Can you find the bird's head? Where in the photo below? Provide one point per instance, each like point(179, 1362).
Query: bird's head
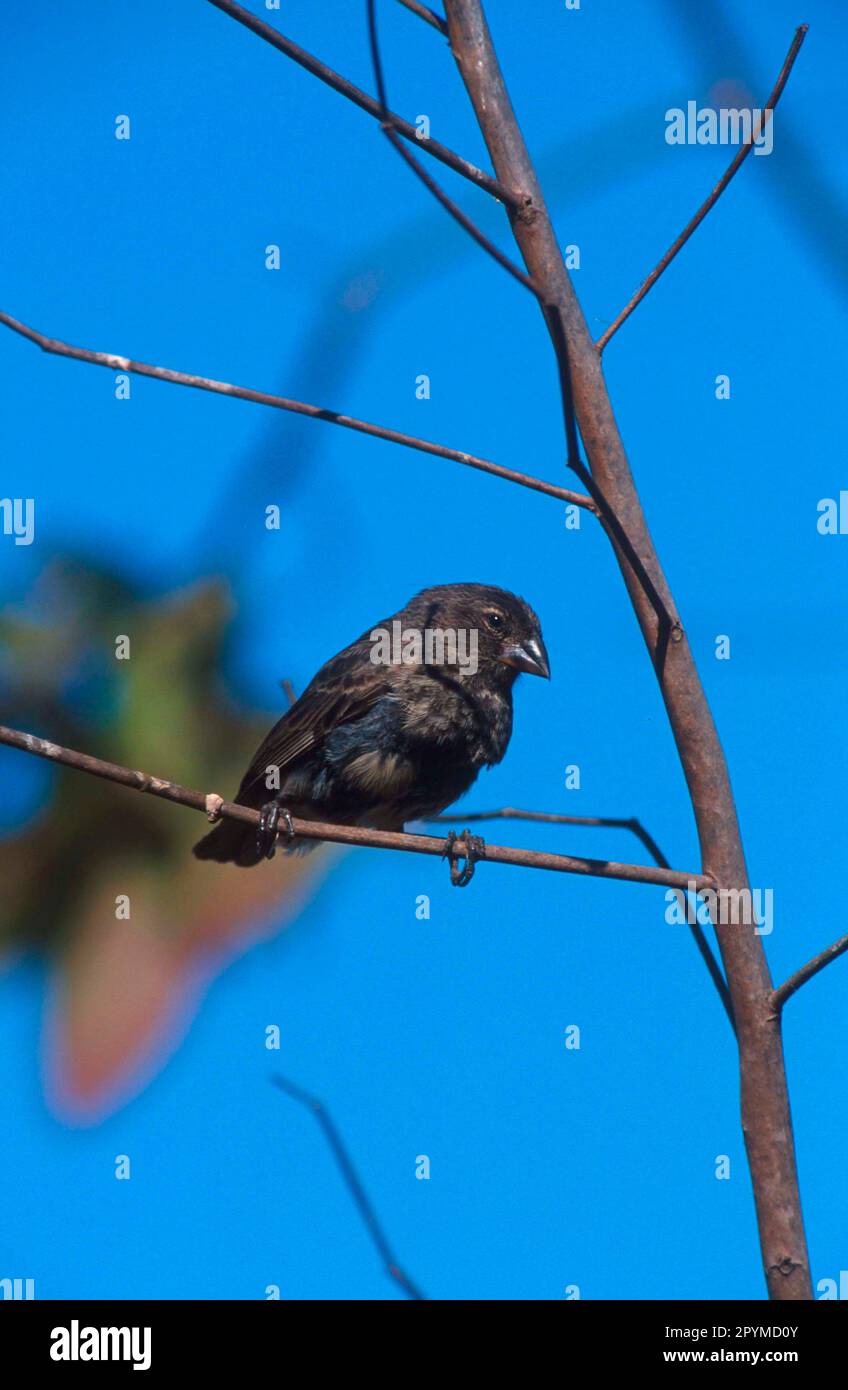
point(500, 630)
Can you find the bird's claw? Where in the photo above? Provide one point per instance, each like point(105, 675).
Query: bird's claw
point(268, 828)
point(462, 865)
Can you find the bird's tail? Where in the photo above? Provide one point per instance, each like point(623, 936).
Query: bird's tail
point(230, 842)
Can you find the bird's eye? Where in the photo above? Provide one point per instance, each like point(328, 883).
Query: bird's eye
point(494, 621)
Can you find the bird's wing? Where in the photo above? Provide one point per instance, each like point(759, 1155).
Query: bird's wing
point(344, 689)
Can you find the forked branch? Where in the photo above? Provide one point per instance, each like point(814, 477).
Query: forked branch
point(215, 807)
point(794, 983)
point(508, 196)
point(667, 624)
point(766, 1120)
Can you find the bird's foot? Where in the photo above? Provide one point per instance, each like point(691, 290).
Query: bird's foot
point(269, 826)
point(462, 865)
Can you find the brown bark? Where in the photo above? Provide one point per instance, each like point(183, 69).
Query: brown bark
point(216, 807)
point(766, 1121)
point(115, 363)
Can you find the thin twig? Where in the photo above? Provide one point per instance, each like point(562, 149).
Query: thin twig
point(215, 807)
point(456, 212)
point(366, 103)
point(789, 987)
point(312, 412)
point(429, 16)
point(387, 127)
point(666, 624)
point(635, 826)
point(733, 168)
point(353, 1183)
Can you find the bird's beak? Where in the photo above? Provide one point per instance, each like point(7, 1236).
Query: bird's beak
point(529, 656)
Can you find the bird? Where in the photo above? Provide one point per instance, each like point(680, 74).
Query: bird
point(395, 727)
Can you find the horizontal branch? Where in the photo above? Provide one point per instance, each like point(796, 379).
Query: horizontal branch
point(554, 818)
point(733, 168)
point(340, 84)
point(794, 983)
point(312, 412)
point(215, 807)
point(631, 823)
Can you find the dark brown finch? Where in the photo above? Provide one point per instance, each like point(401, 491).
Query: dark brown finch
point(397, 726)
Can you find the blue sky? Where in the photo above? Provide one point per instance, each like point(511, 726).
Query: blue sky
point(549, 1167)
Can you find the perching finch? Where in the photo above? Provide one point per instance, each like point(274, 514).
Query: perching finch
point(397, 726)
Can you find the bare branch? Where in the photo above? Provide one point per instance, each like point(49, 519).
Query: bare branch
point(429, 16)
point(635, 826)
point(387, 127)
point(764, 1098)
point(312, 412)
point(214, 807)
point(766, 1120)
point(794, 983)
point(456, 212)
point(361, 99)
point(352, 1182)
point(667, 625)
point(733, 168)
point(548, 818)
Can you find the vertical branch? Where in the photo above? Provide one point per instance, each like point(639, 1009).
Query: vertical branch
point(764, 1098)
